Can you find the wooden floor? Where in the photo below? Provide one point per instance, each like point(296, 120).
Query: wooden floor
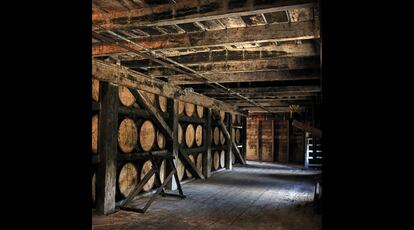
point(255, 196)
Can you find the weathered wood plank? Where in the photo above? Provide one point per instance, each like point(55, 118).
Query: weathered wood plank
point(281, 75)
point(107, 146)
point(308, 128)
point(260, 90)
point(125, 77)
point(244, 66)
point(134, 18)
point(241, 35)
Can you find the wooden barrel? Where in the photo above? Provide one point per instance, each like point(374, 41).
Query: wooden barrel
point(216, 160)
point(127, 135)
point(160, 140)
point(93, 187)
point(233, 118)
point(180, 169)
point(127, 179)
point(222, 157)
point(237, 135)
point(162, 101)
point(233, 159)
point(189, 135)
point(180, 134)
point(216, 135)
point(95, 128)
point(95, 90)
point(187, 172)
point(180, 107)
point(222, 138)
point(200, 111)
point(150, 96)
point(125, 96)
point(222, 115)
point(145, 169)
point(199, 135)
point(199, 162)
point(147, 135)
point(163, 168)
point(189, 109)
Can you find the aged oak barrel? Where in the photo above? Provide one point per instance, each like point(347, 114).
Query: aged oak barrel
point(189, 109)
point(189, 135)
point(162, 101)
point(222, 138)
point(163, 168)
point(237, 135)
point(160, 140)
point(180, 169)
point(187, 172)
point(127, 179)
point(145, 169)
point(95, 129)
point(199, 162)
point(180, 134)
point(147, 135)
point(233, 118)
point(180, 107)
point(200, 111)
point(222, 157)
point(199, 135)
point(216, 135)
point(216, 160)
point(125, 96)
point(95, 90)
point(127, 135)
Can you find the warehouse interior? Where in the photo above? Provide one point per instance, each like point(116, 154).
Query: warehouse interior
point(206, 114)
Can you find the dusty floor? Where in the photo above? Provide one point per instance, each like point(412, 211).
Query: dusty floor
point(255, 196)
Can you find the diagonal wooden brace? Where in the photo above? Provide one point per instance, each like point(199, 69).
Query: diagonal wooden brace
point(228, 139)
point(154, 111)
point(192, 168)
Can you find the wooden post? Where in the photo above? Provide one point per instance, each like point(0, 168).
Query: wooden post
point(259, 140)
point(314, 125)
point(229, 145)
point(108, 141)
point(207, 144)
point(244, 137)
point(172, 144)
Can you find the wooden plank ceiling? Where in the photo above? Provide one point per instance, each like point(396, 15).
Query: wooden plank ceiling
point(268, 51)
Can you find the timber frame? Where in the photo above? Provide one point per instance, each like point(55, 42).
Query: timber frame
point(110, 158)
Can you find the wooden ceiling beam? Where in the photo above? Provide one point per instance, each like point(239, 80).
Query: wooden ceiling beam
point(243, 35)
point(265, 90)
point(307, 49)
point(283, 75)
point(244, 66)
point(125, 77)
point(195, 11)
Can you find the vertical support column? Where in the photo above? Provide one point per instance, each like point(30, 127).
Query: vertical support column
point(259, 140)
point(106, 172)
point(172, 145)
point(314, 125)
point(207, 144)
point(244, 136)
point(229, 144)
